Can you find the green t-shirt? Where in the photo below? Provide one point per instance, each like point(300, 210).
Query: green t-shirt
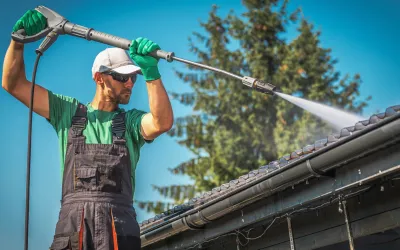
point(98, 127)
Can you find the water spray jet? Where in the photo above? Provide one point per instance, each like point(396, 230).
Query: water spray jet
point(336, 117)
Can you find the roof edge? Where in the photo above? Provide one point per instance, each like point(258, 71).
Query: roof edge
point(331, 156)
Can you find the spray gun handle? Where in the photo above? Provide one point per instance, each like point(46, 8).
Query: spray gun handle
point(20, 35)
point(54, 21)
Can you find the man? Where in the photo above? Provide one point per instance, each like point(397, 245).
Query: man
point(99, 141)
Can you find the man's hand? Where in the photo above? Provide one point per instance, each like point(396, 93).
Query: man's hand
point(138, 51)
point(160, 119)
point(32, 22)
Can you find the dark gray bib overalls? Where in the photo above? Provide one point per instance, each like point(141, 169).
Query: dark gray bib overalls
point(97, 208)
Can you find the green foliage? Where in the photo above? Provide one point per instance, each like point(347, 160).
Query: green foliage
point(156, 207)
point(240, 130)
point(176, 192)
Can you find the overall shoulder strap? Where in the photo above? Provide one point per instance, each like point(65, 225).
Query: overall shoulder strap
point(118, 128)
point(79, 121)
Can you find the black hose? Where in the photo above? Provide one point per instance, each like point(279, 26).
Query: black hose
point(28, 167)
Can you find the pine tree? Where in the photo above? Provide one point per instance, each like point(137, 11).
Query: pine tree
point(236, 130)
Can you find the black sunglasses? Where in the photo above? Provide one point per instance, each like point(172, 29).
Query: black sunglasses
point(121, 77)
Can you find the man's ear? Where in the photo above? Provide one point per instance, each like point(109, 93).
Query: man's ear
point(98, 78)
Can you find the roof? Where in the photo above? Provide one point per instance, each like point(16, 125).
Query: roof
point(262, 171)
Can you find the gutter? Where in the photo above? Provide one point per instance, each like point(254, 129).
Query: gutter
point(326, 158)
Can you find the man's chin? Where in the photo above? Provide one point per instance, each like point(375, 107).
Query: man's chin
point(124, 101)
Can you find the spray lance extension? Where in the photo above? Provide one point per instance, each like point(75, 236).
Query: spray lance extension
point(58, 25)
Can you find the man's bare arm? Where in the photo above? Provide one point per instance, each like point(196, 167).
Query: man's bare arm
point(14, 81)
point(160, 119)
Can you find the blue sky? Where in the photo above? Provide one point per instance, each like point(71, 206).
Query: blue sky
point(362, 35)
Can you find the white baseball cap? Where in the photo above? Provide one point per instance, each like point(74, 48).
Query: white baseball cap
point(115, 59)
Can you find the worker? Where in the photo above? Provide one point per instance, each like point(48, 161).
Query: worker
point(99, 141)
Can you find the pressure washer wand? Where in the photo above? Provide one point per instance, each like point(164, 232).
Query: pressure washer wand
point(59, 25)
point(90, 34)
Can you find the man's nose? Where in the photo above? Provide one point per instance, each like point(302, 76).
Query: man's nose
point(129, 84)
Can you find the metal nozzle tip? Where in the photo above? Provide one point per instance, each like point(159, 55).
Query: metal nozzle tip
point(265, 87)
point(258, 85)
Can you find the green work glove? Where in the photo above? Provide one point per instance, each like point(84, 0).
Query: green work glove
point(32, 22)
point(138, 52)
